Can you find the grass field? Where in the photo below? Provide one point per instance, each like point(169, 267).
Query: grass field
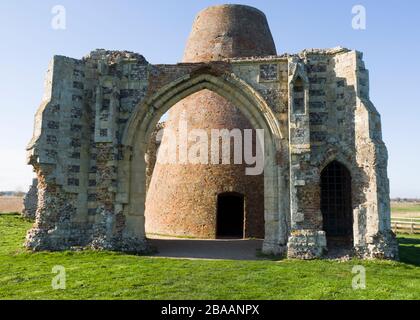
point(107, 275)
point(406, 207)
point(405, 210)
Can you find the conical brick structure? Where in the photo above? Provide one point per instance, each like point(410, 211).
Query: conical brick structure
point(185, 199)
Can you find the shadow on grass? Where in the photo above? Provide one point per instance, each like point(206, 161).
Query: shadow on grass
point(221, 249)
point(409, 241)
point(409, 250)
point(271, 257)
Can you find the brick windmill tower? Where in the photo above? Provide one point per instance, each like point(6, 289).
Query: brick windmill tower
point(211, 200)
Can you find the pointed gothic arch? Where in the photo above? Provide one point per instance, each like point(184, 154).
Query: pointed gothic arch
point(132, 194)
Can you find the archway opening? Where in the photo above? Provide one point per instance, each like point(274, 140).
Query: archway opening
point(142, 124)
point(180, 195)
point(336, 205)
point(230, 215)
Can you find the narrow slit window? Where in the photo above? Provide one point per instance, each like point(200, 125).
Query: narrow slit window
point(298, 97)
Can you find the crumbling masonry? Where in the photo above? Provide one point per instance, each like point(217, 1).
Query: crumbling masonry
point(94, 125)
point(30, 201)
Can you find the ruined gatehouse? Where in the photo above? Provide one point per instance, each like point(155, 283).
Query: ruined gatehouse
point(325, 164)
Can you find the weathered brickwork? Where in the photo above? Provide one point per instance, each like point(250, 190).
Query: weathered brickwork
point(98, 114)
point(182, 199)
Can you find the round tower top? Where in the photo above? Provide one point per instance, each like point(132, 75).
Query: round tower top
point(229, 31)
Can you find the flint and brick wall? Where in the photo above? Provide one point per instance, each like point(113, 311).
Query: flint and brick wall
point(77, 145)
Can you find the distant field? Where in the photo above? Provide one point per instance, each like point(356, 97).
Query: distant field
point(405, 209)
point(399, 209)
point(11, 204)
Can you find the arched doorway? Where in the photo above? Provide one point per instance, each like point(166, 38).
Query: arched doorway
point(230, 215)
point(336, 205)
point(131, 195)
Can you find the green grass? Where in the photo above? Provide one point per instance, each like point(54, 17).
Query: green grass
point(405, 207)
point(107, 275)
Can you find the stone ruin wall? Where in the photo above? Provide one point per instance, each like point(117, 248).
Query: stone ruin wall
point(152, 151)
point(77, 143)
point(344, 126)
point(75, 149)
point(30, 201)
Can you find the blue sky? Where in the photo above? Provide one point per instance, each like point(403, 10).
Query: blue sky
point(158, 29)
